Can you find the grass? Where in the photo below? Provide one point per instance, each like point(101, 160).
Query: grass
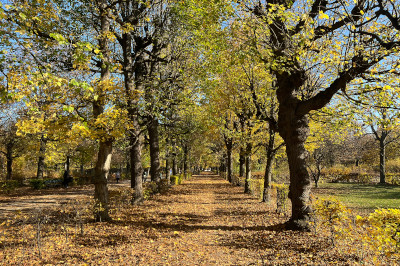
point(362, 196)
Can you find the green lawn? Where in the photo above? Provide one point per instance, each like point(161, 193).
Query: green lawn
point(360, 196)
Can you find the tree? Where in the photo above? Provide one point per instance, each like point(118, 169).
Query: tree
point(379, 112)
point(302, 46)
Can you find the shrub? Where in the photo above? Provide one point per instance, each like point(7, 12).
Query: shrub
point(36, 183)
point(256, 187)
point(176, 179)
point(163, 185)
point(282, 192)
point(347, 174)
point(45, 183)
point(383, 230)
point(150, 188)
point(331, 213)
point(9, 185)
point(393, 166)
point(393, 179)
point(81, 180)
point(375, 238)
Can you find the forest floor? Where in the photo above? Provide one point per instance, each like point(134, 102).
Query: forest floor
point(204, 221)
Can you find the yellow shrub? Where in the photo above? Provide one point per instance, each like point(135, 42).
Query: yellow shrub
point(383, 230)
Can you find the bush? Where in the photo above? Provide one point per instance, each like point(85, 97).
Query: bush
point(383, 227)
point(256, 187)
point(393, 166)
point(9, 185)
point(150, 188)
point(340, 173)
point(36, 183)
point(163, 185)
point(393, 179)
point(176, 179)
point(81, 180)
point(375, 238)
point(45, 183)
point(282, 192)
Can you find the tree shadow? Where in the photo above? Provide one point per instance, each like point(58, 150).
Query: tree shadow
point(276, 238)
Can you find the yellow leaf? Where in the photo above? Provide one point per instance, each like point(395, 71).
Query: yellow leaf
point(322, 15)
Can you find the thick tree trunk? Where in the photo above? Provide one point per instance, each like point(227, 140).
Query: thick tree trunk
point(152, 128)
point(100, 181)
point(42, 152)
point(268, 167)
point(136, 168)
point(248, 168)
point(294, 130)
point(382, 160)
point(103, 163)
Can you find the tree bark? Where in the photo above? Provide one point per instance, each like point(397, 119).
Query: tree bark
point(10, 158)
point(229, 145)
point(174, 164)
point(152, 128)
point(242, 161)
point(103, 163)
point(268, 167)
point(185, 159)
point(248, 168)
point(382, 159)
point(100, 181)
point(42, 153)
point(136, 168)
point(294, 130)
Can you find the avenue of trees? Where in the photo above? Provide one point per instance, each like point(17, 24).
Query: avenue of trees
point(185, 85)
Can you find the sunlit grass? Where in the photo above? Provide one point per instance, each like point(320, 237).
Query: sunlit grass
point(362, 196)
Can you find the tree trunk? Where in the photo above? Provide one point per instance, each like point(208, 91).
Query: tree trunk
point(268, 168)
point(100, 181)
point(185, 159)
point(294, 130)
point(382, 159)
point(241, 162)
point(67, 164)
point(229, 145)
point(103, 163)
point(152, 128)
point(9, 157)
point(136, 168)
point(42, 152)
point(248, 168)
point(174, 164)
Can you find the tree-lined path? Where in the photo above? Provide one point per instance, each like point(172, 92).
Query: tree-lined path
point(204, 221)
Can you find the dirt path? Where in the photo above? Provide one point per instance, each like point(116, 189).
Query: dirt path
point(204, 221)
point(207, 221)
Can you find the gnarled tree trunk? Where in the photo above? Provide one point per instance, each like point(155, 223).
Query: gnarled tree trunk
point(294, 130)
